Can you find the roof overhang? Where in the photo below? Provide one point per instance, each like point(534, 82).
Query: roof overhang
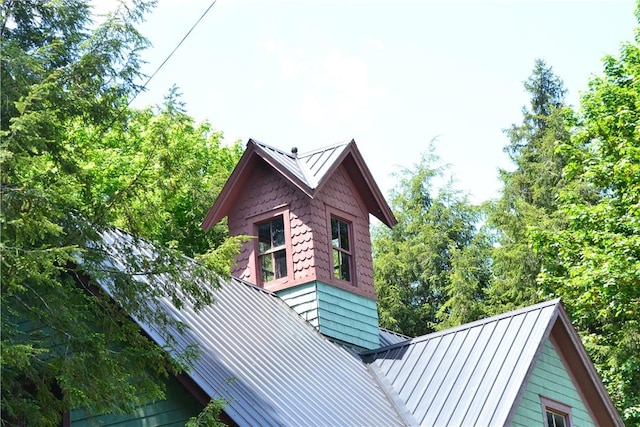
point(283, 163)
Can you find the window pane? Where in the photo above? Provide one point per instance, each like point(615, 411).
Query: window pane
point(280, 262)
point(556, 420)
point(336, 264)
point(277, 232)
point(345, 271)
point(266, 267)
point(344, 236)
point(335, 235)
point(264, 237)
point(550, 422)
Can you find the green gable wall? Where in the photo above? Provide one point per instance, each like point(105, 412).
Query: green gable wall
point(336, 313)
point(551, 380)
point(174, 411)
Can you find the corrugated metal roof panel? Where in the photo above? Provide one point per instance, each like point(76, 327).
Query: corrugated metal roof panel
point(270, 365)
point(469, 375)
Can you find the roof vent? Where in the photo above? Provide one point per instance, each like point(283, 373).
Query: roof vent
point(294, 151)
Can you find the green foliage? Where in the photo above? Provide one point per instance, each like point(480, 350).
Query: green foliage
point(429, 268)
point(76, 160)
point(210, 415)
point(594, 263)
point(530, 192)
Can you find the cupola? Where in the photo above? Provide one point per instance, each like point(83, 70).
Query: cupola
point(309, 214)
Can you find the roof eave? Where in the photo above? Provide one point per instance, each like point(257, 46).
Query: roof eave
point(228, 194)
point(599, 402)
point(376, 203)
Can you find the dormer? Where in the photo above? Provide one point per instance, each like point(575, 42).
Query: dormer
point(309, 214)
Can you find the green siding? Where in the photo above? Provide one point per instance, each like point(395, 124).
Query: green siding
point(551, 380)
point(303, 299)
point(336, 313)
point(174, 411)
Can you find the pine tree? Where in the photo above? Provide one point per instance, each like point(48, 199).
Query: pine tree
point(530, 192)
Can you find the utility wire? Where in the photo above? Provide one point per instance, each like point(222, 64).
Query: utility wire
point(144, 86)
point(118, 194)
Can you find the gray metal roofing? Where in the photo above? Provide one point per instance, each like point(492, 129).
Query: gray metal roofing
point(388, 337)
point(470, 375)
point(309, 167)
point(271, 366)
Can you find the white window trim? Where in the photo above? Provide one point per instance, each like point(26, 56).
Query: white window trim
point(260, 219)
point(557, 407)
point(350, 221)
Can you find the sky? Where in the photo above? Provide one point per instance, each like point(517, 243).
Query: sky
point(393, 75)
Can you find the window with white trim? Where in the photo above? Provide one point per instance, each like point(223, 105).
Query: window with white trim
point(556, 414)
point(272, 250)
point(555, 419)
point(341, 249)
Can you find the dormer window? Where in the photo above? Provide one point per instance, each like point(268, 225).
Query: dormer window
point(272, 250)
point(341, 249)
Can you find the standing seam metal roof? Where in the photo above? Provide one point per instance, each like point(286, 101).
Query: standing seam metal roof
point(470, 375)
point(310, 168)
point(270, 365)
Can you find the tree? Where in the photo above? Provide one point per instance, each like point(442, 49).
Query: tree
point(594, 263)
point(75, 160)
point(421, 266)
point(530, 192)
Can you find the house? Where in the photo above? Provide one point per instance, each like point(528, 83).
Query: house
point(293, 338)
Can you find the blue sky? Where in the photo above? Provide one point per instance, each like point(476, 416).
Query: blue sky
point(393, 75)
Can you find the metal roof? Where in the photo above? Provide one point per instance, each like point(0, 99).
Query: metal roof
point(311, 167)
point(308, 172)
point(469, 375)
point(388, 337)
point(271, 366)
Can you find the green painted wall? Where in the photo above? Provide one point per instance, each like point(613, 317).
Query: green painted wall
point(174, 411)
point(336, 313)
point(551, 380)
point(303, 299)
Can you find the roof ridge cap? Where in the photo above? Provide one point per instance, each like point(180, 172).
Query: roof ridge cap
point(306, 172)
point(263, 145)
point(465, 326)
point(326, 147)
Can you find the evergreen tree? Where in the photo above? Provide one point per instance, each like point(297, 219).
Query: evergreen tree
point(428, 268)
point(530, 192)
point(75, 160)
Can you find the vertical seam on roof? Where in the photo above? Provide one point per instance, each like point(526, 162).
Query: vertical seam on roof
point(520, 353)
point(534, 359)
point(434, 372)
point(458, 374)
point(392, 397)
point(490, 360)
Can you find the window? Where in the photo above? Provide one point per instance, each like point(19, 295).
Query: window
point(556, 414)
point(555, 419)
point(272, 252)
point(340, 241)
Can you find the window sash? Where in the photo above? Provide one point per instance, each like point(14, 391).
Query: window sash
point(340, 242)
point(272, 252)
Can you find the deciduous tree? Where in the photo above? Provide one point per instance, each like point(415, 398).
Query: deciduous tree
point(76, 160)
point(594, 263)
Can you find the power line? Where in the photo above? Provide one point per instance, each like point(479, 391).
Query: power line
point(144, 86)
